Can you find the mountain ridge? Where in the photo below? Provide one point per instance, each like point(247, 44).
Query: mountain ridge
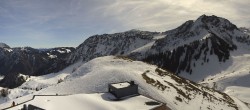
point(175, 50)
point(195, 42)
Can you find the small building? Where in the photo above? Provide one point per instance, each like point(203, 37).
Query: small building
point(31, 107)
point(123, 89)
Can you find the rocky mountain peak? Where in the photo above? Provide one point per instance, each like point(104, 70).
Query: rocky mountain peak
point(215, 22)
point(196, 42)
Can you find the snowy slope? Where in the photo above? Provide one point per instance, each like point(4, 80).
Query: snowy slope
point(242, 93)
point(198, 48)
point(236, 72)
point(97, 101)
point(95, 75)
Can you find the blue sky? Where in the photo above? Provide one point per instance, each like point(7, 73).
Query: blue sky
point(54, 23)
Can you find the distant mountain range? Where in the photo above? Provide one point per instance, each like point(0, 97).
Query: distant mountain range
point(210, 51)
point(184, 50)
point(30, 61)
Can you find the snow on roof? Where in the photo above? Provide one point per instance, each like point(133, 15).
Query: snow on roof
point(121, 85)
point(96, 101)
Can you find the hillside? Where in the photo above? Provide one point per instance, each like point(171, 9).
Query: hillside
point(235, 72)
point(95, 75)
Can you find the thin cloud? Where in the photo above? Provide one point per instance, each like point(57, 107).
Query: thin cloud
point(161, 15)
point(61, 20)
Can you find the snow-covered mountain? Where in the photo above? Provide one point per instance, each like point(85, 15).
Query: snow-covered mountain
point(186, 50)
point(210, 51)
point(195, 45)
point(30, 61)
point(112, 44)
point(95, 75)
